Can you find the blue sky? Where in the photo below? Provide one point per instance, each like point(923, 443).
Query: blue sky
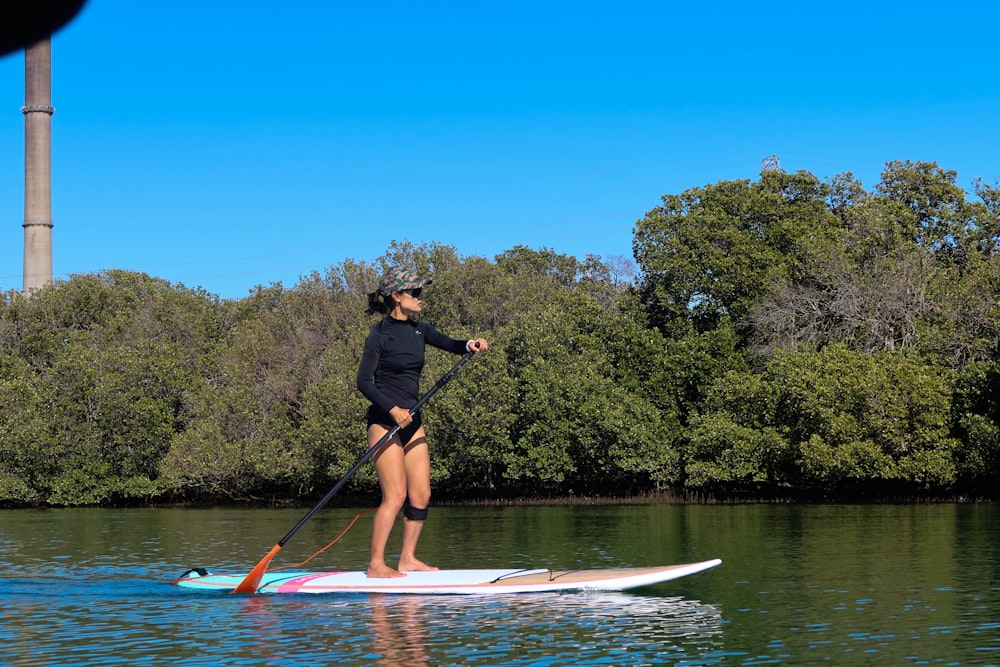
point(223, 149)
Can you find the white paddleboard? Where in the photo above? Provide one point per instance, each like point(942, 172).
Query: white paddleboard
point(443, 582)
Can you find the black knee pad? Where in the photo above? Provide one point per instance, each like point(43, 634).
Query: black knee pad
point(414, 513)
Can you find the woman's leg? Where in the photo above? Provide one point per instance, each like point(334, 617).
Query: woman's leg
point(391, 471)
point(417, 466)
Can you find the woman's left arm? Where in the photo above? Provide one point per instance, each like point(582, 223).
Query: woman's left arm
point(437, 339)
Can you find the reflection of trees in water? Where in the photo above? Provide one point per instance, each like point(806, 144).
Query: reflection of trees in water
point(564, 629)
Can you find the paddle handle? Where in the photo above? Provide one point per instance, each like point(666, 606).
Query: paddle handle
point(371, 451)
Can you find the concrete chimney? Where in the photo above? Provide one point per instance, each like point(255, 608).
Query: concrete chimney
point(37, 112)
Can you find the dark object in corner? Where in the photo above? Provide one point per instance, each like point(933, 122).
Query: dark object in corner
point(23, 23)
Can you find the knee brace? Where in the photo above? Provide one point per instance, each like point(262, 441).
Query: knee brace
point(414, 513)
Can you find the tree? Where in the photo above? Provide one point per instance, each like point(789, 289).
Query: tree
point(830, 419)
point(583, 425)
point(112, 355)
point(27, 439)
point(912, 271)
point(926, 203)
point(716, 251)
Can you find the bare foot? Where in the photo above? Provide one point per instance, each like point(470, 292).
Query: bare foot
point(383, 571)
point(414, 565)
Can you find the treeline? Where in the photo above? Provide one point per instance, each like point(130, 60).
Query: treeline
point(783, 336)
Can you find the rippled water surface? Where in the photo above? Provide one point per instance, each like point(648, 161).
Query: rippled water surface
point(890, 585)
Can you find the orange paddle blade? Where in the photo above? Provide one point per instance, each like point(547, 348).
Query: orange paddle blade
point(251, 582)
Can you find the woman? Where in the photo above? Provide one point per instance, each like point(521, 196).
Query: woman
point(389, 377)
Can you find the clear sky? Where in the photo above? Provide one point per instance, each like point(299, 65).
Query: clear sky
point(225, 145)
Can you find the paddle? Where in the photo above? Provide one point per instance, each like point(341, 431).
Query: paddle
point(252, 581)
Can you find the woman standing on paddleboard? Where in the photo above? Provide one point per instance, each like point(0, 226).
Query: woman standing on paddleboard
point(389, 377)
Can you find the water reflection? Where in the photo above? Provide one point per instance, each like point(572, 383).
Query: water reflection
point(551, 629)
point(399, 632)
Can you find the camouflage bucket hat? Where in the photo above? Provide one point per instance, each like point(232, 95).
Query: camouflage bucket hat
point(399, 278)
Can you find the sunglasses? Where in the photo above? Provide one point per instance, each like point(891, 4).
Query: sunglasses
point(415, 292)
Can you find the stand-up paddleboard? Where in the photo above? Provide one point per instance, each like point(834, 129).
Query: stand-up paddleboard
point(455, 582)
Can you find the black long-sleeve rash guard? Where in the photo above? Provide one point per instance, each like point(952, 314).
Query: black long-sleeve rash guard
point(389, 374)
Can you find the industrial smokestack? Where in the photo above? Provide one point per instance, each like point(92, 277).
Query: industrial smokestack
point(37, 112)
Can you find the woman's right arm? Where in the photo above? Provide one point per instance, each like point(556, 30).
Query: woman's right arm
point(366, 373)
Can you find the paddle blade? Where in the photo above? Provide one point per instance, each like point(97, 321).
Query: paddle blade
point(251, 582)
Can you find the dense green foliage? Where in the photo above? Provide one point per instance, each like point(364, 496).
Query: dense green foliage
point(779, 336)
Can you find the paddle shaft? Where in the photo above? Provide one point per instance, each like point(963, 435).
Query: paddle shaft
point(371, 451)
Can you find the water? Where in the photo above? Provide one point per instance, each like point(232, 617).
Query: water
point(799, 585)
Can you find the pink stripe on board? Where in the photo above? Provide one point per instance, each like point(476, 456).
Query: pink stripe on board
point(294, 585)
